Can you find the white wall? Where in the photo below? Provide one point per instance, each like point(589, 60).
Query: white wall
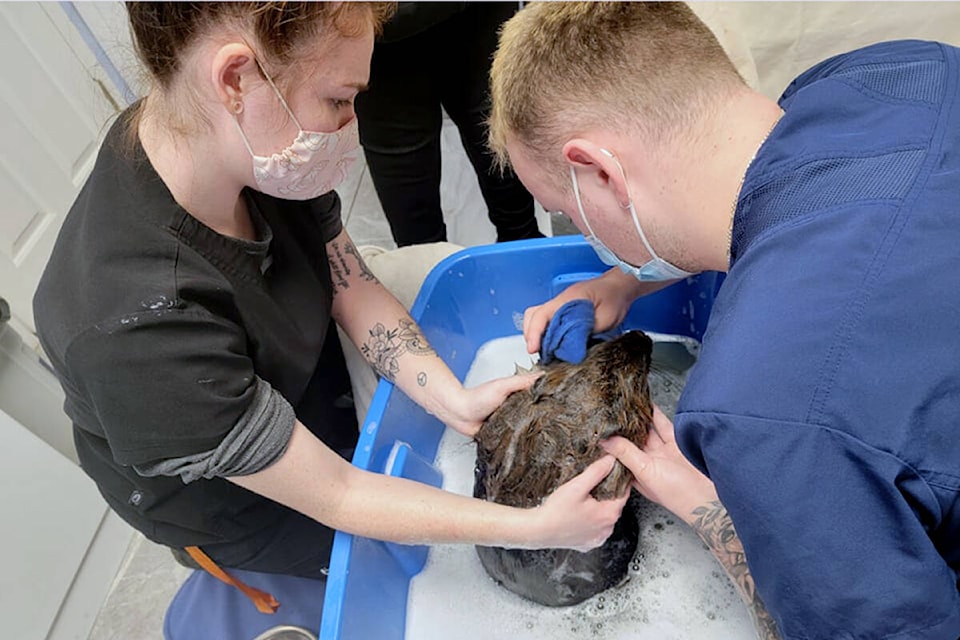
point(60, 546)
point(780, 40)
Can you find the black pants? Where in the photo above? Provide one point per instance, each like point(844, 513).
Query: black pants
point(300, 547)
point(399, 118)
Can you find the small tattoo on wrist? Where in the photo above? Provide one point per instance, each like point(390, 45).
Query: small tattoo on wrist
point(422, 379)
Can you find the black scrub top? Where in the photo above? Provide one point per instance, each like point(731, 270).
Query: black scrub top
point(156, 326)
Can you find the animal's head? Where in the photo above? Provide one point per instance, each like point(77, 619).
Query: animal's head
point(540, 438)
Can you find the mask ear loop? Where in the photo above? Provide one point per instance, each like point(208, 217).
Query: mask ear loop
point(576, 193)
point(236, 116)
point(614, 158)
point(279, 95)
point(633, 210)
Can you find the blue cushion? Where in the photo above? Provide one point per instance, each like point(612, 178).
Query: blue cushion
point(206, 608)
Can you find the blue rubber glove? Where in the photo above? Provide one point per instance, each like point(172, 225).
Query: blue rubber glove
point(568, 332)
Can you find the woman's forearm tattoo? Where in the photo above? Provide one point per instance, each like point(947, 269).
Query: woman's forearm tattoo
point(339, 269)
point(365, 272)
point(715, 528)
point(385, 347)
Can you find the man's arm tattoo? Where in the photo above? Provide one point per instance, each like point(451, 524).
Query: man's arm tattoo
point(715, 528)
point(384, 348)
point(339, 270)
point(365, 272)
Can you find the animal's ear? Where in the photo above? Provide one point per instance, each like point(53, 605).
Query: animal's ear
point(541, 388)
point(520, 371)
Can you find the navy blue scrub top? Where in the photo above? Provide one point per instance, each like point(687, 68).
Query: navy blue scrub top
point(826, 403)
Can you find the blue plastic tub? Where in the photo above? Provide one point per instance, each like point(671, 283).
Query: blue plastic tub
point(470, 298)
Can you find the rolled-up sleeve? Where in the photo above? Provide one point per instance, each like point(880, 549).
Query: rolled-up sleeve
point(164, 384)
point(258, 440)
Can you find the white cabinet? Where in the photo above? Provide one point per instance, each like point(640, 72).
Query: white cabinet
point(60, 546)
point(51, 513)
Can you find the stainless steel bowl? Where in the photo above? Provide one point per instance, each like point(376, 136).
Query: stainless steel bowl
point(286, 632)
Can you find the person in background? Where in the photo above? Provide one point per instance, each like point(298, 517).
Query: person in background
point(815, 446)
point(433, 55)
point(189, 306)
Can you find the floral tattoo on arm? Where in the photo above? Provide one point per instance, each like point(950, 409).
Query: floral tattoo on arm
point(715, 528)
point(384, 348)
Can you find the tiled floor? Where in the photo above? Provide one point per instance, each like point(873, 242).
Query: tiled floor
point(150, 577)
point(144, 587)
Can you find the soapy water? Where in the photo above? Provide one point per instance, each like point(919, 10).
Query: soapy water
point(675, 589)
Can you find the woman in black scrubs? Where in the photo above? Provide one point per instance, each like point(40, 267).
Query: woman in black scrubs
point(187, 307)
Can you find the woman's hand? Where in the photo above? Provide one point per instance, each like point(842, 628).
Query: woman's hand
point(570, 518)
point(660, 471)
point(467, 409)
point(611, 295)
point(378, 506)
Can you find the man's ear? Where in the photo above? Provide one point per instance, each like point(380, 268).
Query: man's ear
point(593, 162)
point(233, 67)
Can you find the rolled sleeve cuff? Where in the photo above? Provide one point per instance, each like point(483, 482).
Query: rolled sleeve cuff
point(259, 438)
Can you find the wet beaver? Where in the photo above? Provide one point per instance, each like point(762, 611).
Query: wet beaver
point(542, 437)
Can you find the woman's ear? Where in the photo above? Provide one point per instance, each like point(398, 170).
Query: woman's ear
point(233, 67)
point(593, 162)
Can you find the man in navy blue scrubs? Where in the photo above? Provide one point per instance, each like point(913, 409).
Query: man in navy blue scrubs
point(823, 417)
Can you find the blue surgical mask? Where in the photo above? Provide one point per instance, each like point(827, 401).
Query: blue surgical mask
point(656, 269)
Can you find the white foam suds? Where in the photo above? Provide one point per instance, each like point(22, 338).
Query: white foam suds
point(676, 589)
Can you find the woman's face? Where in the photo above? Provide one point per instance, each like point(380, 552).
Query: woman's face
point(319, 89)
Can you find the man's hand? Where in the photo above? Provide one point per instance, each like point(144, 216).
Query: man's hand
point(663, 475)
point(660, 471)
point(611, 295)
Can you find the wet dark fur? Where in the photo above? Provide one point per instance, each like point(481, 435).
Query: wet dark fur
point(542, 437)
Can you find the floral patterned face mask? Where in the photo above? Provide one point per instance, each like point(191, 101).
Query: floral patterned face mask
point(314, 164)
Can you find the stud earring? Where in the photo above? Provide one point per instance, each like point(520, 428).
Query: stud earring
point(237, 106)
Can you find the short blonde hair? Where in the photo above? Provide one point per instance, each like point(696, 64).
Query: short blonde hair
point(652, 67)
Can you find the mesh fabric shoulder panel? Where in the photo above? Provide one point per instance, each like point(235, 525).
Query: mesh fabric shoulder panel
point(921, 80)
point(823, 184)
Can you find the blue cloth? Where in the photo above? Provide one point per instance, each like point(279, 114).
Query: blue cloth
point(205, 608)
point(826, 402)
point(568, 332)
